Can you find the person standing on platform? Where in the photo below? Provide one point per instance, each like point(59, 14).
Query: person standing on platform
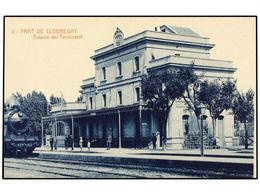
point(71, 143)
point(157, 139)
point(109, 141)
point(66, 142)
point(81, 143)
point(154, 141)
point(163, 143)
point(51, 143)
point(89, 145)
point(55, 143)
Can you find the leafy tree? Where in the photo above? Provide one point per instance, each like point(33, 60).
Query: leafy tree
point(80, 98)
point(53, 100)
point(191, 85)
point(243, 110)
point(217, 96)
point(34, 105)
point(159, 90)
point(56, 100)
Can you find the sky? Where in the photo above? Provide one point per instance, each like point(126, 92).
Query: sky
point(34, 60)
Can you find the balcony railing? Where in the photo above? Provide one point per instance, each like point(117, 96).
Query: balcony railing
point(179, 60)
point(69, 107)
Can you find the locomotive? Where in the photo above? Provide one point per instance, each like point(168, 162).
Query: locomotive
point(17, 138)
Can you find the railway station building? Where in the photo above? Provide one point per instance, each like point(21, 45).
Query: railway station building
point(112, 102)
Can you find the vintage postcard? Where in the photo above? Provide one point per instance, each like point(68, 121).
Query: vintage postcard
point(129, 97)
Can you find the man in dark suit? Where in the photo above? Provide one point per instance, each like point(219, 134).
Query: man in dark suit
point(51, 143)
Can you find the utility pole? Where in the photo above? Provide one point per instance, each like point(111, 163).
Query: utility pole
point(72, 129)
point(201, 137)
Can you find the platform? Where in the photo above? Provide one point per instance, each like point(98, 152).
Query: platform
point(223, 161)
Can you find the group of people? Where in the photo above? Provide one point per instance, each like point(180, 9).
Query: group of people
point(156, 140)
point(68, 142)
point(53, 143)
point(81, 143)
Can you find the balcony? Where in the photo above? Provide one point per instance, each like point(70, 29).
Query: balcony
point(69, 107)
point(199, 63)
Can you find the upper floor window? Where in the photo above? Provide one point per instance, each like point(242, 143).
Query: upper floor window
point(104, 100)
point(119, 95)
point(104, 73)
point(152, 57)
point(119, 69)
point(137, 94)
point(137, 63)
point(91, 102)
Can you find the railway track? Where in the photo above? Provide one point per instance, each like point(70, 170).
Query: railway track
point(53, 168)
point(180, 171)
point(57, 168)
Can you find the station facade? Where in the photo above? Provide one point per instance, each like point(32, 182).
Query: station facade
point(112, 100)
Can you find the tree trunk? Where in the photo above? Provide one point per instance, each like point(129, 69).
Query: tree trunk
point(198, 122)
point(246, 136)
point(214, 122)
point(199, 126)
point(164, 127)
point(201, 132)
point(162, 133)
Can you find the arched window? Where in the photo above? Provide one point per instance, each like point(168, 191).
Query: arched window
point(60, 129)
point(104, 73)
point(90, 103)
point(104, 100)
point(137, 63)
point(119, 69)
point(119, 95)
point(185, 122)
point(137, 94)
